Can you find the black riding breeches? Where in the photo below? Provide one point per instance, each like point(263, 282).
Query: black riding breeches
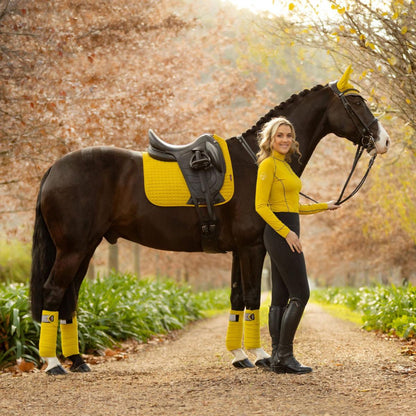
point(289, 278)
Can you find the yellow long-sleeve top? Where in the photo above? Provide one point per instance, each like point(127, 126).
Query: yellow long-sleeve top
point(277, 190)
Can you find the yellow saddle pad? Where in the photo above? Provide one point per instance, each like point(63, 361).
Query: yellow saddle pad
point(165, 185)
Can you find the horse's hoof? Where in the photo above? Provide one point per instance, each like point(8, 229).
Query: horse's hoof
point(263, 363)
point(83, 368)
point(56, 371)
point(246, 363)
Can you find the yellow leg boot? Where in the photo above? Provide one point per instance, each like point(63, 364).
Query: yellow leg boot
point(69, 337)
point(252, 337)
point(234, 339)
point(252, 329)
point(70, 346)
point(47, 342)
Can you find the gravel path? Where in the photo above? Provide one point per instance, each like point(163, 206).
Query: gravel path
point(355, 373)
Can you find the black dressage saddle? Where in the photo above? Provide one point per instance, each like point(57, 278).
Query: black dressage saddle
point(201, 162)
point(202, 165)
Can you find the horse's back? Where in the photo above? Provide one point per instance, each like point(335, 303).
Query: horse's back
point(85, 189)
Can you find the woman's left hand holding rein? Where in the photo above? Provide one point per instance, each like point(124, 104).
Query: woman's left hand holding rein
point(332, 206)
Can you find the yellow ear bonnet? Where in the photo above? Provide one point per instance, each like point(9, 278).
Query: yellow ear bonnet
point(344, 82)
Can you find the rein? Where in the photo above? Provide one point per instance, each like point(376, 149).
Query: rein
point(367, 141)
point(358, 154)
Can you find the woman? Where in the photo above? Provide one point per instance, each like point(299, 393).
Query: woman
point(277, 202)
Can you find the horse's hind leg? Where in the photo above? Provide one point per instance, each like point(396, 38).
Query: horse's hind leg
point(60, 279)
point(69, 327)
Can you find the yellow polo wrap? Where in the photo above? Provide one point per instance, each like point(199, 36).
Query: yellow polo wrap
point(252, 329)
point(234, 335)
point(69, 337)
point(165, 185)
point(48, 333)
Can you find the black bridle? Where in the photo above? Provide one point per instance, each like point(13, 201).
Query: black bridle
point(366, 142)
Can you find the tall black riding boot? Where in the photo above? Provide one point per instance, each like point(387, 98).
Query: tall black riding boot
point(275, 320)
point(287, 363)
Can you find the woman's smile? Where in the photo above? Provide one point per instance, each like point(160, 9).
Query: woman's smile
point(282, 140)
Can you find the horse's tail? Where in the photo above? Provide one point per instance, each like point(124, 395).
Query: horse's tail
point(43, 258)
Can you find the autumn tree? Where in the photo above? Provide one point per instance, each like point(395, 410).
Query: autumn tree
point(375, 233)
point(377, 37)
point(85, 73)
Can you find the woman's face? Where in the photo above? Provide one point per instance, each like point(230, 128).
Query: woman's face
point(282, 140)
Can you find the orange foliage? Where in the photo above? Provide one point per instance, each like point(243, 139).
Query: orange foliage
point(87, 73)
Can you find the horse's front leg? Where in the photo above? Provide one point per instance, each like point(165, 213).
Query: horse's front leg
point(245, 307)
point(251, 261)
point(234, 337)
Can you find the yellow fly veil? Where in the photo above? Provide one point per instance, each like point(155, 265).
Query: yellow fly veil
point(344, 84)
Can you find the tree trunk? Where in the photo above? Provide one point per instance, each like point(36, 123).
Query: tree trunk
point(113, 258)
point(136, 259)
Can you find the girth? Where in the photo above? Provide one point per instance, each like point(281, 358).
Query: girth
point(203, 167)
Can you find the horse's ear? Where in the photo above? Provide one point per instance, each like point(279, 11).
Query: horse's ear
point(344, 83)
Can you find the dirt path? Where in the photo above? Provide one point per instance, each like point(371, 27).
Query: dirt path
point(355, 373)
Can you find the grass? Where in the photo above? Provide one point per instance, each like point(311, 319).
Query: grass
point(343, 312)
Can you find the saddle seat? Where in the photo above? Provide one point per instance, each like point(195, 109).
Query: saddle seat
point(205, 145)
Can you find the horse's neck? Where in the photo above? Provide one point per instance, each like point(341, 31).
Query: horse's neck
point(308, 114)
point(309, 118)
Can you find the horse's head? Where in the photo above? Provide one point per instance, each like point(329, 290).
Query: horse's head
point(350, 117)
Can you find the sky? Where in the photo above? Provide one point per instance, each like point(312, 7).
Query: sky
point(276, 6)
point(258, 5)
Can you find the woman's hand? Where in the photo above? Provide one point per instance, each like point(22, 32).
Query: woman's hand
point(332, 206)
point(294, 243)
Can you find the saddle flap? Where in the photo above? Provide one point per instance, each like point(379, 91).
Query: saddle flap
point(216, 156)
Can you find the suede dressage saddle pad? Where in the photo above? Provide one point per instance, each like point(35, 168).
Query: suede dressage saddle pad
point(165, 185)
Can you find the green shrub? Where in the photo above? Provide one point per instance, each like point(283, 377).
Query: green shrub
point(121, 307)
point(337, 295)
point(18, 332)
point(389, 309)
point(213, 300)
point(15, 261)
point(110, 310)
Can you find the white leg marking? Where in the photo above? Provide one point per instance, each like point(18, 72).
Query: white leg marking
point(239, 355)
point(52, 362)
point(259, 353)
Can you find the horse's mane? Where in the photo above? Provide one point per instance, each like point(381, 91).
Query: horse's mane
point(276, 111)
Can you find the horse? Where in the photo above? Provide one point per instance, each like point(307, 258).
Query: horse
point(97, 193)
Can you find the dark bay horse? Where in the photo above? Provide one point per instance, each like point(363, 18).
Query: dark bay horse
point(98, 193)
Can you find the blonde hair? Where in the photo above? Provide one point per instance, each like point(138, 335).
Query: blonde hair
point(266, 137)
